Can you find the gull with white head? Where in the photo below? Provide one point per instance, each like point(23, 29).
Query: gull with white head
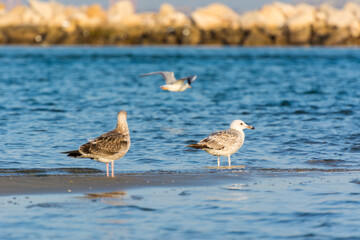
point(108, 147)
point(224, 142)
point(172, 84)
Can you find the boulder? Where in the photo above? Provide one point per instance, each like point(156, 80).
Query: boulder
point(24, 34)
point(147, 20)
point(272, 17)
point(215, 16)
point(300, 24)
point(90, 16)
point(2, 9)
point(355, 29)
point(168, 16)
point(3, 38)
point(340, 18)
point(287, 10)
point(303, 18)
point(338, 36)
point(120, 11)
point(46, 10)
point(257, 37)
point(96, 11)
point(354, 8)
point(250, 20)
point(13, 17)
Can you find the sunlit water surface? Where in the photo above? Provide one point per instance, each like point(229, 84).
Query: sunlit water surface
point(297, 207)
point(303, 102)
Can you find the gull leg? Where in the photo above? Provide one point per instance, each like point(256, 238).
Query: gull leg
point(218, 161)
point(107, 169)
point(229, 160)
point(112, 169)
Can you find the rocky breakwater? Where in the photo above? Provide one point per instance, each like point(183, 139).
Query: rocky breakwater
point(274, 24)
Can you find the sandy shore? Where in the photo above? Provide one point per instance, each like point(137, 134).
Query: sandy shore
point(18, 185)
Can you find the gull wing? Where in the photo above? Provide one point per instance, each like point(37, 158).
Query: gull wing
point(190, 79)
point(220, 139)
point(107, 144)
point(168, 76)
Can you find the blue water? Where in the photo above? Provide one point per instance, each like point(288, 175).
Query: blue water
point(304, 103)
point(297, 207)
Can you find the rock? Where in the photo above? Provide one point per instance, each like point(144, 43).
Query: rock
point(147, 20)
point(233, 36)
point(30, 17)
point(91, 16)
point(96, 11)
point(215, 16)
point(168, 16)
point(327, 9)
point(340, 18)
point(3, 38)
point(13, 17)
point(355, 29)
point(272, 17)
point(301, 36)
point(287, 10)
point(46, 10)
point(2, 9)
point(190, 35)
point(338, 36)
point(24, 34)
point(353, 8)
point(250, 20)
point(120, 11)
point(55, 35)
point(257, 37)
point(166, 9)
point(303, 18)
point(300, 24)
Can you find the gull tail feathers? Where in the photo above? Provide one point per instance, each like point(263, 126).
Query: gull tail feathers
point(74, 153)
point(196, 145)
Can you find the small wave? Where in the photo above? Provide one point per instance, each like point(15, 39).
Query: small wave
point(330, 162)
point(314, 214)
point(117, 194)
point(356, 181)
point(45, 205)
point(145, 209)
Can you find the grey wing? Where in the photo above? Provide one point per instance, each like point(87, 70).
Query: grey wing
point(190, 79)
point(168, 76)
point(107, 144)
point(220, 139)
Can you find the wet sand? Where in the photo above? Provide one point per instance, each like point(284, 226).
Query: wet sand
point(48, 184)
point(17, 185)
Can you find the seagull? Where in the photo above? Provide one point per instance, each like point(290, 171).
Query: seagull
point(172, 84)
point(224, 142)
point(108, 147)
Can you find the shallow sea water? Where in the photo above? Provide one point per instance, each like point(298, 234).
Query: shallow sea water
point(303, 102)
point(320, 206)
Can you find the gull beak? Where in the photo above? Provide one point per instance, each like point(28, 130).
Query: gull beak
point(164, 88)
point(250, 127)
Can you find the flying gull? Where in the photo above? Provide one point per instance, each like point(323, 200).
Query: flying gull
point(172, 84)
point(224, 142)
point(108, 147)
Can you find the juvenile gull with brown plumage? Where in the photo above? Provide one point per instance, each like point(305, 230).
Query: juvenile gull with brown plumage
point(108, 147)
point(224, 142)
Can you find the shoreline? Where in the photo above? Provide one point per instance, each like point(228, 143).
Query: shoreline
point(75, 183)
